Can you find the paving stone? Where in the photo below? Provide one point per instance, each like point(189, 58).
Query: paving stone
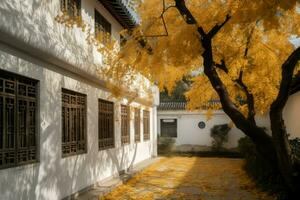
point(108, 185)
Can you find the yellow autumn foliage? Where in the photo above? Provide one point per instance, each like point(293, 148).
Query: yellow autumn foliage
point(118, 76)
point(172, 48)
point(189, 178)
point(164, 48)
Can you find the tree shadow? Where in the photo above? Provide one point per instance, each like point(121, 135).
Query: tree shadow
point(29, 47)
point(214, 178)
point(55, 177)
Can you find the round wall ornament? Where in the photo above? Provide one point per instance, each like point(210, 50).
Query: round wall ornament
point(201, 125)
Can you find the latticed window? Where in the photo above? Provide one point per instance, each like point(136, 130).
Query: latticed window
point(146, 124)
point(18, 120)
point(73, 123)
point(137, 125)
point(106, 124)
point(102, 28)
point(123, 41)
point(125, 125)
point(71, 7)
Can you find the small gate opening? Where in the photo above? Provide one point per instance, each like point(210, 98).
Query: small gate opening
point(168, 127)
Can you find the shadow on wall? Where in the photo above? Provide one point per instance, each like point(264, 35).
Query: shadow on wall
point(22, 19)
point(54, 177)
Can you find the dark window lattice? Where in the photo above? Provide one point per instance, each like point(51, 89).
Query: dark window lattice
point(137, 125)
point(106, 124)
point(168, 127)
point(102, 28)
point(73, 123)
point(146, 125)
point(18, 120)
point(71, 7)
point(125, 125)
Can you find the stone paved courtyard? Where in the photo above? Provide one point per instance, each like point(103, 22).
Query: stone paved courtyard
point(190, 178)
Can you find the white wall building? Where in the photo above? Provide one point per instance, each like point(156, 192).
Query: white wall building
point(189, 136)
point(60, 131)
point(192, 136)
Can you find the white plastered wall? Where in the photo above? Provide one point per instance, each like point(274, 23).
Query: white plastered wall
point(54, 177)
point(291, 115)
point(188, 132)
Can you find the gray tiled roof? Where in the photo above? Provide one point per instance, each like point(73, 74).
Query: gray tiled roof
point(120, 10)
point(173, 105)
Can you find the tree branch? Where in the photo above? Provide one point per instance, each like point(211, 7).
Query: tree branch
point(185, 12)
point(279, 134)
point(295, 85)
point(241, 84)
point(248, 42)
point(250, 98)
point(218, 27)
point(222, 66)
point(263, 140)
point(143, 42)
point(288, 68)
point(210, 71)
point(164, 10)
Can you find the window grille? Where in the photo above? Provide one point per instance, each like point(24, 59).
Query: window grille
point(73, 123)
point(125, 125)
point(146, 124)
point(106, 124)
point(137, 125)
point(102, 28)
point(71, 7)
point(18, 120)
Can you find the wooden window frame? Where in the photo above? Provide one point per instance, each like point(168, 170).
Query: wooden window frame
point(74, 106)
point(146, 125)
point(137, 125)
point(23, 146)
point(71, 7)
point(103, 28)
point(106, 129)
point(125, 124)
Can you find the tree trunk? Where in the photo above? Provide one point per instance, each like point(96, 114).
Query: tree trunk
point(286, 162)
point(275, 149)
point(283, 150)
point(261, 139)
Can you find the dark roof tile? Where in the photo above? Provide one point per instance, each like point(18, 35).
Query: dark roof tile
point(173, 105)
point(125, 16)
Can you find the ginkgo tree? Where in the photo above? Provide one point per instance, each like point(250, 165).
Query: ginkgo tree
point(238, 51)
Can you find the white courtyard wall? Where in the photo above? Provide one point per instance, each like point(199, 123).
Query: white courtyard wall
point(188, 132)
point(291, 115)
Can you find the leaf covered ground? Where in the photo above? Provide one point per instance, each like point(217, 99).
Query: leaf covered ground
point(190, 178)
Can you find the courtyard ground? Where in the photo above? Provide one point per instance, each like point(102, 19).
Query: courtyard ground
point(190, 178)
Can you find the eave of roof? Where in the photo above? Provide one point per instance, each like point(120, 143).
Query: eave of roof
point(180, 105)
point(172, 106)
point(124, 15)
